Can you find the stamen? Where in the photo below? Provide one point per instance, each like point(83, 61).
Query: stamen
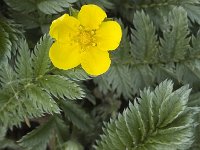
point(92, 32)
point(94, 44)
point(86, 38)
point(80, 27)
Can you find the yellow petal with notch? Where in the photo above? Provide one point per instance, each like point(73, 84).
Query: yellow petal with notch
point(91, 16)
point(95, 61)
point(65, 28)
point(108, 36)
point(65, 56)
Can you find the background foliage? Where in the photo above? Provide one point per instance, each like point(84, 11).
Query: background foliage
point(42, 107)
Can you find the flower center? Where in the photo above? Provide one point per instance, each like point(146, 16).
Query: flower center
point(86, 38)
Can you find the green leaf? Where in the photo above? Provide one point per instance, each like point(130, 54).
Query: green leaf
point(14, 31)
point(189, 72)
point(41, 100)
point(77, 115)
point(193, 12)
point(194, 100)
point(195, 50)
point(163, 71)
point(9, 144)
point(41, 60)
point(5, 44)
point(24, 102)
point(175, 43)
point(76, 74)
point(29, 23)
point(141, 76)
point(145, 45)
point(39, 137)
point(54, 7)
point(7, 75)
point(103, 84)
point(61, 129)
point(162, 120)
point(3, 131)
point(178, 105)
point(23, 64)
point(24, 6)
point(10, 108)
point(119, 78)
point(62, 87)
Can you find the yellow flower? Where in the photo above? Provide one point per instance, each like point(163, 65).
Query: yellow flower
point(84, 40)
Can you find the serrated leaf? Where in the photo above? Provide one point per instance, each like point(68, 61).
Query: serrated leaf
point(3, 131)
point(41, 60)
point(39, 137)
point(103, 85)
point(62, 87)
point(118, 77)
point(20, 104)
point(5, 44)
point(77, 115)
point(76, 74)
point(14, 31)
point(195, 50)
point(175, 42)
point(41, 100)
point(142, 128)
point(194, 100)
point(145, 45)
point(7, 75)
point(7, 143)
point(193, 12)
point(23, 62)
point(141, 76)
point(25, 6)
point(166, 116)
point(54, 7)
point(188, 72)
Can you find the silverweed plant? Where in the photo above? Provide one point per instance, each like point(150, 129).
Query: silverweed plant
point(99, 74)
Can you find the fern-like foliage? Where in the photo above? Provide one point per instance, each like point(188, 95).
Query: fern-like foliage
point(155, 56)
point(77, 115)
point(37, 13)
point(144, 33)
point(76, 74)
point(60, 86)
point(53, 7)
point(28, 87)
point(161, 120)
point(156, 9)
point(177, 37)
point(4, 42)
point(10, 33)
point(39, 137)
point(45, 6)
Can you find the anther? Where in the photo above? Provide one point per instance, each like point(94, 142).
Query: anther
point(92, 32)
point(80, 27)
point(94, 44)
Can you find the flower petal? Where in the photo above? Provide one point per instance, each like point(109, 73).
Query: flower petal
point(109, 35)
point(91, 16)
point(64, 28)
point(65, 56)
point(95, 61)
